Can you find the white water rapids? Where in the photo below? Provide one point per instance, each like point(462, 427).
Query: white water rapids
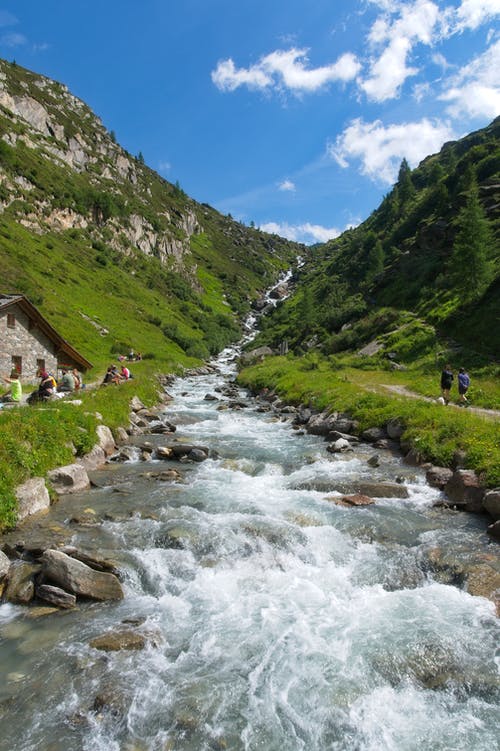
point(277, 620)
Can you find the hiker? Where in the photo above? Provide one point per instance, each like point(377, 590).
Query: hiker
point(67, 383)
point(125, 373)
point(446, 381)
point(463, 385)
point(15, 393)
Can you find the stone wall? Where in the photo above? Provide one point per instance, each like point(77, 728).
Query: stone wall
point(24, 340)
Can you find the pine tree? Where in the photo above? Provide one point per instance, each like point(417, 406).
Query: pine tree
point(472, 248)
point(405, 184)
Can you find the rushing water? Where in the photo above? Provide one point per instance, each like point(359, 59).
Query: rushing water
point(276, 619)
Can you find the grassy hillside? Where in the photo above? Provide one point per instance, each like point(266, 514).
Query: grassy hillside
point(112, 254)
point(425, 265)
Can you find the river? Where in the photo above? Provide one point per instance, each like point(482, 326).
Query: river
point(275, 619)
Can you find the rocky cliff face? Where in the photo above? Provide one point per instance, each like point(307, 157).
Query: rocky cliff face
point(43, 121)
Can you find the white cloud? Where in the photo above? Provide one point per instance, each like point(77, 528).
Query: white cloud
point(381, 148)
point(13, 40)
point(415, 23)
point(473, 13)
point(303, 233)
point(284, 69)
point(475, 89)
point(287, 185)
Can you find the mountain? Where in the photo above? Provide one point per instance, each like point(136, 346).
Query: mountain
point(115, 256)
point(420, 275)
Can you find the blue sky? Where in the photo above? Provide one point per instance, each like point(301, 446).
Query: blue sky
point(293, 115)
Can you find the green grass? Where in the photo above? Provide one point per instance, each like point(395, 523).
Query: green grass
point(434, 431)
point(39, 438)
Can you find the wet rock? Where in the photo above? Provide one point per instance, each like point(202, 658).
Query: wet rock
point(336, 434)
point(32, 497)
point(437, 477)
point(197, 455)
point(69, 479)
point(374, 461)
point(483, 580)
point(56, 596)
point(78, 578)
point(494, 530)
point(356, 499)
point(4, 565)
point(344, 424)
point(114, 641)
point(373, 434)
point(414, 458)
point(183, 450)
point(210, 398)
point(340, 446)
point(40, 611)
point(20, 587)
point(395, 428)
point(464, 490)
point(491, 503)
point(164, 452)
point(94, 459)
point(125, 454)
point(121, 435)
point(162, 428)
point(97, 563)
point(302, 416)
point(322, 424)
point(112, 701)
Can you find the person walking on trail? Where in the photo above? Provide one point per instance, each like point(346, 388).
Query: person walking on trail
point(446, 382)
point(463, 385)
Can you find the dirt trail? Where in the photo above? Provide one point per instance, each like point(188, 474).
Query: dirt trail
point(491, 414)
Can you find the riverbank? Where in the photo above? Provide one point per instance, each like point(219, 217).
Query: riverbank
point(436, 434)
point(38, 439)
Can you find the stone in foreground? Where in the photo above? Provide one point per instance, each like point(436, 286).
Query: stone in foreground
point(78, 578)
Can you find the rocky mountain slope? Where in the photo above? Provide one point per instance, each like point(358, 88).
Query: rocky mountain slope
point(114, 254)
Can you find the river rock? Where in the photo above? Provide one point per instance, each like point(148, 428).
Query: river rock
point(302, 416)
point(105, 439)
point(94, 459)
point(121, 435)
point(340, 446)
point(4, 565)
point(373, 461)
point(491, 503)
point(182, 450)
point(494, 530)
point(56, 596)
point(136, 405)
point(69, 479)
point(197, 455)
point(395, 428)
point(437, 477)
point(370, 435)
point(20, 582)
point(371, 488)
point(464, 490)
point(356, 499)
point(113, 641)
point(164, 452)
point(32, 497)
point(79, 578)
point(98, 564)
point(483, 580)
point(322, 424)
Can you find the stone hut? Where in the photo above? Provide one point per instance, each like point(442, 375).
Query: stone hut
point(29, 343)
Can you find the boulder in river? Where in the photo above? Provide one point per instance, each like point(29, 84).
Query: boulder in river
point(69, 479)
point(356, 499)
point(491, 503)
point(114, 641)
point(78, 578)
point(56, 596)
point(32, 496)
point(464, 490)
point(437, 477)
point(20, 582)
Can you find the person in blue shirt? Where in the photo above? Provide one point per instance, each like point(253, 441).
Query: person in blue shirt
point(463, 385)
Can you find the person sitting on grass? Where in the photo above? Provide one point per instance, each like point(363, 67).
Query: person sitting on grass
point(125, 373)
point(15, 393)
point(112, 376)
point(67, 383)
point(46, 389)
